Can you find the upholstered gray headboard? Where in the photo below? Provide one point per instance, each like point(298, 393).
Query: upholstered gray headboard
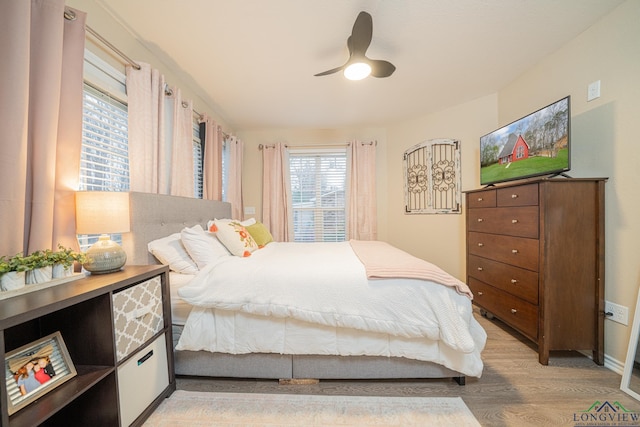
point(156, 215)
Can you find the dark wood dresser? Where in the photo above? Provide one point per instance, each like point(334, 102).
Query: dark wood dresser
point(535, 260)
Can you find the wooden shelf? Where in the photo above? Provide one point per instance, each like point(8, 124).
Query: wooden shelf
point(82, 312)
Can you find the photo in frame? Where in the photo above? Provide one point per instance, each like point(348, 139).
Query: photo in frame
point(35, 369)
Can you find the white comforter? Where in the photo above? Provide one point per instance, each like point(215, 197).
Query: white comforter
point(325, 284)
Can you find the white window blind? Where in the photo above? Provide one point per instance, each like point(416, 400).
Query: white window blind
point(318, 183)
point(104, 162)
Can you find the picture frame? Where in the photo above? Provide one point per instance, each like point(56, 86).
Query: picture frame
point(35, 369)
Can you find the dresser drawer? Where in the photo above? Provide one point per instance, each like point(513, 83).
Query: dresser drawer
point(137, 315)
point(517, 281)
point(482, 199)
point(514, 311)
point(517, 221)
point(516, 251)
point(141, 379)
point(522, 195)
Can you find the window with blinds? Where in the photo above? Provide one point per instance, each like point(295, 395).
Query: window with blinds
point(318, 184)
point(104, 162)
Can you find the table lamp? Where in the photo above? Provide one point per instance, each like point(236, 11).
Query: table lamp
point(103, 212)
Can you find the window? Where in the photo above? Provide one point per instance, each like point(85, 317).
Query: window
point(318, 183)
point(104, 162)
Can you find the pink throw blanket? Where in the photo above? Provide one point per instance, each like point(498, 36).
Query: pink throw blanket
point(381, 260)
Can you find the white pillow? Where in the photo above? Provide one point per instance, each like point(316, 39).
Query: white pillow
point(170, 251)
point(235, 237)
point(203, 247)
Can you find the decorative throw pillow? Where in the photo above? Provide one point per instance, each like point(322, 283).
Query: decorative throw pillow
point(235, 237)
point(202, 246)
point(260, 233)
point(245, 223)
point(170, 251)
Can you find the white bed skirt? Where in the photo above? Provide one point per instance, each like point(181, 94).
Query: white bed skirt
point(241, 333)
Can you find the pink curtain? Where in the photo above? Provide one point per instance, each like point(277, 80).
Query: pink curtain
point(160, 134)
point(212, 174)
point(234, 190)
point(276, 192)
point(180, 179)
point(145, 95)
point(40, 124)
point(362, 213)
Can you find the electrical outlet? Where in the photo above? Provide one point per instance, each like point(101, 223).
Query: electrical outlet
point(620, 312)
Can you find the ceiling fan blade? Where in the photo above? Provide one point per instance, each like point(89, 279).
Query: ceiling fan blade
point(361, 34)
point(325, 73)
point(380, 68)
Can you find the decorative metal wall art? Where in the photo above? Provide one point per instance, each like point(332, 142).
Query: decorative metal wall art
point(432, 178)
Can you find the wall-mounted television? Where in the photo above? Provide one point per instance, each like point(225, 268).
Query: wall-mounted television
point(535, 145)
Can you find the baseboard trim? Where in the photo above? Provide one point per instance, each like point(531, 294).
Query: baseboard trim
point(614, 364)
point(609, 362)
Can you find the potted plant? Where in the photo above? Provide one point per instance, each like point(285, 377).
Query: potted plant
point(39, 267)
point(12, 272)
point(64, 260)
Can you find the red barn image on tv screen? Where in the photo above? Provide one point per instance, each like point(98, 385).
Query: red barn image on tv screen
point(515, 149)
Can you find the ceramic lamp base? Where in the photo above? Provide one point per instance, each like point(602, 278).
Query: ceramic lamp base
point(105, 256)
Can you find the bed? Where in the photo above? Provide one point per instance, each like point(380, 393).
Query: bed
point(341, 351)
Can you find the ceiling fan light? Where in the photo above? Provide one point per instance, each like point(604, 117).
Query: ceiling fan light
point(357, 71)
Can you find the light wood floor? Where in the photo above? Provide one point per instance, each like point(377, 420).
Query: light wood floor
point(515, 390)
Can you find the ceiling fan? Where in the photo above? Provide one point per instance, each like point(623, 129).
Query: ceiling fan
point(359, 66)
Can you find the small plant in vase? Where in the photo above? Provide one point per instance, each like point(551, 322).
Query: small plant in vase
point(12, 272)
point(39, 266)
point(64, 260)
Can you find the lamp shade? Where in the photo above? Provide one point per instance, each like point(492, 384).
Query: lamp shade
point(102, 212)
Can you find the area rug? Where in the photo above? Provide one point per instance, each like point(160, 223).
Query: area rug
point(196, 409)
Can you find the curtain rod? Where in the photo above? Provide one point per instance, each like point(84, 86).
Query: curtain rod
point(71, 16)
point(347, 144)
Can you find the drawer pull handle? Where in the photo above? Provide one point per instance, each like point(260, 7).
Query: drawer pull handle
point(514, 221)
point(145, 358)
point(514, 196)
point(480, 199)
point(514, 281)
point(139, 312)
point(514, 251)
point(479, 293)
point(480, 244)
point(480, 220)
point(480, 269)
point(514, 311)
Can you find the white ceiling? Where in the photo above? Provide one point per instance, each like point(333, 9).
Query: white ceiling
point(255, 59)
